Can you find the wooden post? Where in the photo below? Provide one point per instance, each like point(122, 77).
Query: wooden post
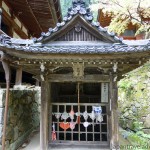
point(45, 90)
point(19, 76)
point(37, 82)
point(7, 77)
point(50, 113)
point(0, 16)
point(114, 129)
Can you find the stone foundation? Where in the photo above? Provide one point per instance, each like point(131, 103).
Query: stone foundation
point(23, 115)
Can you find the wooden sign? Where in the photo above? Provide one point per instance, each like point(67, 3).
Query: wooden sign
point(104, 92)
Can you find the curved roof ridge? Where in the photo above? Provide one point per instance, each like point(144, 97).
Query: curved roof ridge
point(78, 7)
point(80, 49)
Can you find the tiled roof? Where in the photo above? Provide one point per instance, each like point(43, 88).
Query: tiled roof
point(78, 7)
point(84, 49)
point(99, 48)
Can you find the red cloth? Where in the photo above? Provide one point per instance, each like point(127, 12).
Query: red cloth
point(78, 120)
point(64, 125)
point(53, 135)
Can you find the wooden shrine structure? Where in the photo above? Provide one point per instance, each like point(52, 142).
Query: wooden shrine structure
point(78, 64)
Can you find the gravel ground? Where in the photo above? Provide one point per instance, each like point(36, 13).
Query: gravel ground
point(34, 144)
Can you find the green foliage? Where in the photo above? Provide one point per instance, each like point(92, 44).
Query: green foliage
point(138, 140)
point(134, 96)
point(65, 4)
point(125, 85)
point(137, 126)
point(125, 11)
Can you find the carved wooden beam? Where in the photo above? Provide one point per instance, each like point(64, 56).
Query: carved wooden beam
point(70, 78)
point(78, 70)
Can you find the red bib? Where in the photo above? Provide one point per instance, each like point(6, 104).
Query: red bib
point(64, 125)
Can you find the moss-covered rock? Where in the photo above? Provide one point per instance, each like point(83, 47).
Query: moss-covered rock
point(134, 95)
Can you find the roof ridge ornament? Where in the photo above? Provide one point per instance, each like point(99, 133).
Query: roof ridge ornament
point(78, 2)
point(78, 7)
point(5, 39)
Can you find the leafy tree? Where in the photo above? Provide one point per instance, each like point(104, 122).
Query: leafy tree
point(124, 12)
point(65, 4)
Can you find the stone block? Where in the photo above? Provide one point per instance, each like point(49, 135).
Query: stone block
point(16, 133)
point(9, 132)
point(29, 99)
point(1, 119)
point(1, 111)
point(23, 115)
point(1, 131)
point(13, 120)
point(1, 98)
point(147, 122)
point(20, 140)
point(7, 145)
point(146, 131)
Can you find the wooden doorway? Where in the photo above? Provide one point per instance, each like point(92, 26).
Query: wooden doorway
point(68, 97)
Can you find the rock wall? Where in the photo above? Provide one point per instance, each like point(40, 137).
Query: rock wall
point(134, 99)
point(23, 115)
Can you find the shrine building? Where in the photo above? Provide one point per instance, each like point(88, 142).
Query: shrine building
point(77, 64)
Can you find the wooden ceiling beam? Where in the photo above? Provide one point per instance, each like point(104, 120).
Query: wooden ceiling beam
point(52, 10)
point(34, 16)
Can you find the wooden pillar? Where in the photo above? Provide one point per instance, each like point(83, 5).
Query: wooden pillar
point(7, 77)
point(18, 76)
point(37, 82)
point(45, 92)
point(114, 125)
point(0, 15)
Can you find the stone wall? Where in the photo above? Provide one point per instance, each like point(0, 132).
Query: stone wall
point(134, 99)
point(23, 115)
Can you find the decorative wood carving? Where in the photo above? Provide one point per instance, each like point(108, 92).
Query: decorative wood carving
point(78, 28)
point(78, 70)
point(78, 33)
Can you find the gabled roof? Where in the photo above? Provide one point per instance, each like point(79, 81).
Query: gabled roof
point(75, 47)
point(78, 11)
point(83, 15)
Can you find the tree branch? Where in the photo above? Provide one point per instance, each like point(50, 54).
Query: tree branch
point(131, 17)
point(139, 12)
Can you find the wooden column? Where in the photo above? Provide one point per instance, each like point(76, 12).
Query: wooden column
point(114, 126)
point(37, 82)
point(18, 76)
point(7, 77)
point(45, 92)
point(0, 14)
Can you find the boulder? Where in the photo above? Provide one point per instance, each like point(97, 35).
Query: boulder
point(147, 121)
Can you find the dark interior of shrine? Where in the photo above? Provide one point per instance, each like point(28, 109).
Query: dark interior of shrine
point(26, 78)
point(68, 92)
point(66, 98)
